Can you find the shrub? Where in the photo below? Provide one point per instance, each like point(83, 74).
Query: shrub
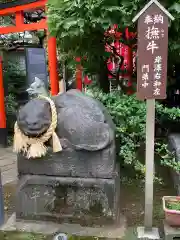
point(14, 80)
point(129, 116)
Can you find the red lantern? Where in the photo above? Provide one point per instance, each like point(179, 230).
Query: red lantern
point(122, 50)
point(127, 66)
point(87, 81)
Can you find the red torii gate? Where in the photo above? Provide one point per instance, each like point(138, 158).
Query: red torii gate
point(17, 8)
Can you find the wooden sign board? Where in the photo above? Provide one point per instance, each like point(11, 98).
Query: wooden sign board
point(151, 85)
point(152, 54)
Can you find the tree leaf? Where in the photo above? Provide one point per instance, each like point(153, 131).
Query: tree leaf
point(113, 8)
point(68, 23)
point(175, 7)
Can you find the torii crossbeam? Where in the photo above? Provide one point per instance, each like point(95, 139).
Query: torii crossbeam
point(17, 8)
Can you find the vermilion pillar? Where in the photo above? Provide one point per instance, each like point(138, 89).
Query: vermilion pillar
point(53, 65)
point(3, 130)
point(79, 77)
point(79, 69)
point(19, 18)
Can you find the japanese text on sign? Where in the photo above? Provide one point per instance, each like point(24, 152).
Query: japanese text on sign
point(145, 76)
point(152, 34)
point(157, 75)
point(152, 53)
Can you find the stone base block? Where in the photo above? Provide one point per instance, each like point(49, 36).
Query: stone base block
point(174, 146)
point(48, 228)
point(86, 201)
point(171, 233)
point(142, 233)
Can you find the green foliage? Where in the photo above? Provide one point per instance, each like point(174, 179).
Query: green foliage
point(174, 36)
point(167, 157)
point(22, 236)
point(173, 205)
point(11, 107)
point(80, 24)
point(129, 116)
point(14, 79)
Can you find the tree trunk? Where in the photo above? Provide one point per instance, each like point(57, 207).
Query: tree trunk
point(103, 78)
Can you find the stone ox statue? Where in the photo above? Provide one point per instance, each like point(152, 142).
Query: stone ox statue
point(83, 126)
point(82, 123)
point(79, 179)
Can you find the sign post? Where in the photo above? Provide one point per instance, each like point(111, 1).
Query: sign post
point(151, 85)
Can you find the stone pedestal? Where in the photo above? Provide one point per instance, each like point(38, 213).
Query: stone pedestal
point(87, 201)
point(152, 234)
point(171, 233)
point(174, 146)
point(70, 187)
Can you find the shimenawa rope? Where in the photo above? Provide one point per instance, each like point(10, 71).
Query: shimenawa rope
point(34, 147)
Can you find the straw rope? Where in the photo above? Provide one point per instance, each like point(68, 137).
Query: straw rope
point(34, 147)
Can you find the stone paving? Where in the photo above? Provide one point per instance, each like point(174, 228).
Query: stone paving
point(48, 228)
point(8, 165)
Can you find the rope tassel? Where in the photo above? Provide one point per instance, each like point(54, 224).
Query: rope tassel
point(35, 147)
point(56, 143)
